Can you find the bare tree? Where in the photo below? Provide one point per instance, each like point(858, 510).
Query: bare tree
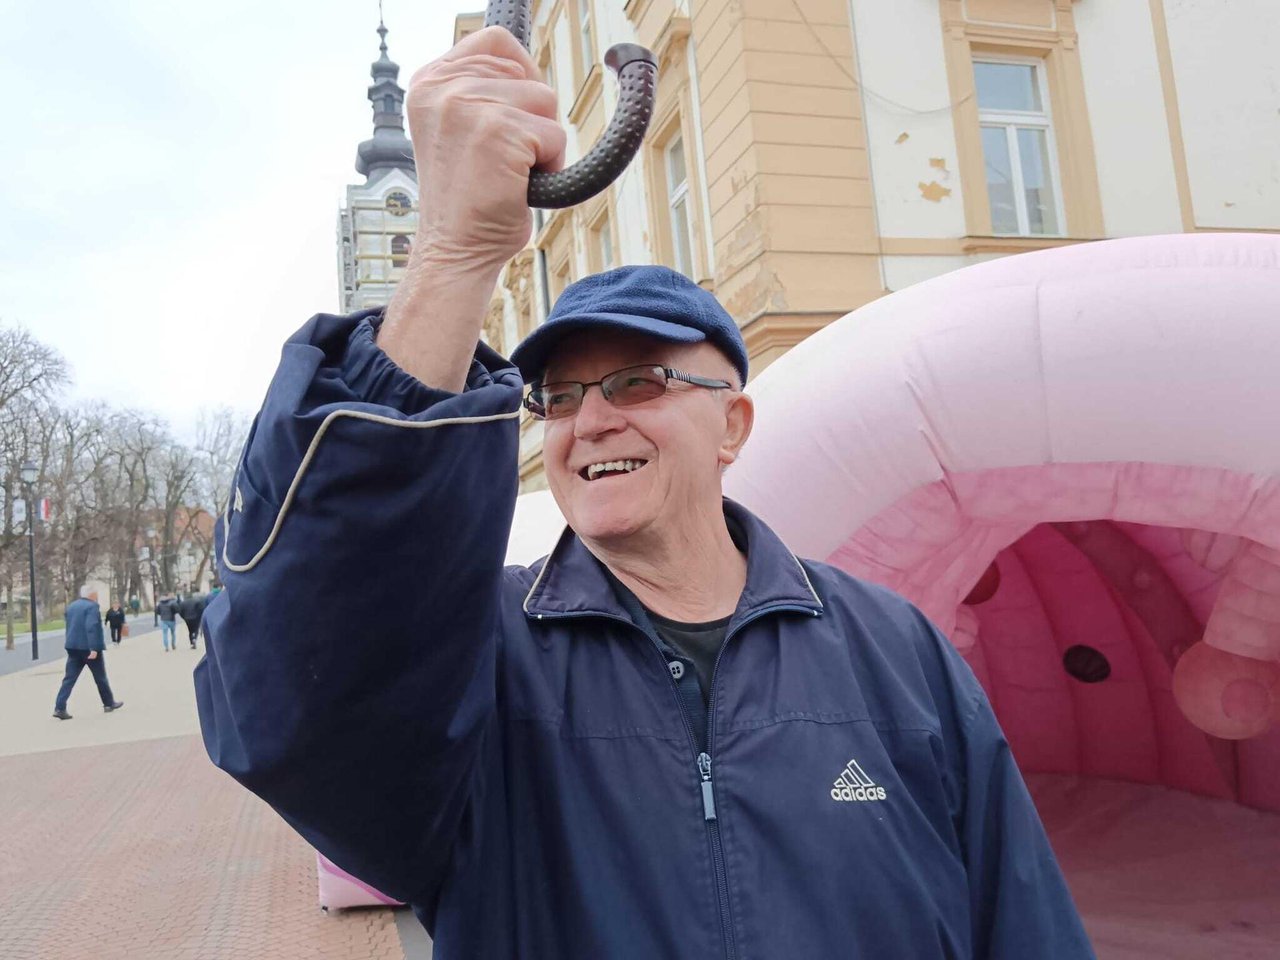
point(220, 435)
point(28, 368)
point(175, 475)
point(31, 374)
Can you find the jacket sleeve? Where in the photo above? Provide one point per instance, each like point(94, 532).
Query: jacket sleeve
point(94, 629)
point(1019, 902)
point(350, 658)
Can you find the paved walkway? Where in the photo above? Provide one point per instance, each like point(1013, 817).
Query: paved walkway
point(121, 841)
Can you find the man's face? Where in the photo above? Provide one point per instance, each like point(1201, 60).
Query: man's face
point(680, 440)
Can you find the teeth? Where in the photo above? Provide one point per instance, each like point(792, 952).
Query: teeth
point(625, 466)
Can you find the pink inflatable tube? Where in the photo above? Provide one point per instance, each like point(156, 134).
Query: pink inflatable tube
point(1070, 460)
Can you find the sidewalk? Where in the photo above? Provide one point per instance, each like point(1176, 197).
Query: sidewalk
point(121, 841)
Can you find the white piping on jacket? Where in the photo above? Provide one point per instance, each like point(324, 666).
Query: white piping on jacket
point(306, 462)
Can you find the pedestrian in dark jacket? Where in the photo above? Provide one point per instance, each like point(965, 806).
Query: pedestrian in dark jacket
point(167, 611)
point(671, 737)
point(115, 619)
point(84, 647)
point(191, 609)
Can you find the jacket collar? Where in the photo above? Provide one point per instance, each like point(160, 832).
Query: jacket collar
point(573, 583)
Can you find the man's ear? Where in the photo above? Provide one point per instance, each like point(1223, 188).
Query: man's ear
point(740, 416)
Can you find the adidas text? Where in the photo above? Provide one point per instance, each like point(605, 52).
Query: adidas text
point(854, 784)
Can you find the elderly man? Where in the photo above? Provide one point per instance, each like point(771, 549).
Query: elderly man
point(85, 648)
point(671, 738)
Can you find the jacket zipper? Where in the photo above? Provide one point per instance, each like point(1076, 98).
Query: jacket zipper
point(708, 785)
point(703, 758)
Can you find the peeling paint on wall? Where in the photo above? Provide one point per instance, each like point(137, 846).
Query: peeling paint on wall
point(940, 163)
point(934, 192)
point(903, 137)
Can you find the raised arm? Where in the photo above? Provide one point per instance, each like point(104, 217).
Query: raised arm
point(349, 673)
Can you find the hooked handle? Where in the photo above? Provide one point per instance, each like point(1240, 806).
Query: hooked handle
point(637, 72)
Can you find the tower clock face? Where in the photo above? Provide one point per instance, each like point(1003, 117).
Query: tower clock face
point(398, 203)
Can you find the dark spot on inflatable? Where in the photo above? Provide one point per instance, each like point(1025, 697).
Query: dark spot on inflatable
point(1086, 664)
point(986, 586)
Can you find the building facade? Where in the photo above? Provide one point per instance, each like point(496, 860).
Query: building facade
point(808, 156)
point(377, 223)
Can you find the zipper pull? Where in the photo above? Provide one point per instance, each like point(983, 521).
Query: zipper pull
point(708, 793)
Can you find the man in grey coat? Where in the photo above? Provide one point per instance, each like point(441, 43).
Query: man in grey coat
point(85, 648)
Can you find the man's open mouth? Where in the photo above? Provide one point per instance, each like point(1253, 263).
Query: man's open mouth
point(610, 468)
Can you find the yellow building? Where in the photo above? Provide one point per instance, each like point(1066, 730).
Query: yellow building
point(808, 156)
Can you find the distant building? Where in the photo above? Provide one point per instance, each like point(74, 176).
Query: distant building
point(809, 156)
point(378, 222)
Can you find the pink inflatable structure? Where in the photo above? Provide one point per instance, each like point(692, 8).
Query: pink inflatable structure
point(1070, 460)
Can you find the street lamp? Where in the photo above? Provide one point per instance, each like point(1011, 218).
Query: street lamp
point(28, 475)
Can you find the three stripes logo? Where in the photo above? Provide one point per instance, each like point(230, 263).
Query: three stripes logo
point(854, 784)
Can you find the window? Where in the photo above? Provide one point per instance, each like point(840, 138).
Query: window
point(400, 246)
point(585, 48)
point(678, 201)
point(601, 254)
point(1017, 148)
point(559, 280)
point(606, 246)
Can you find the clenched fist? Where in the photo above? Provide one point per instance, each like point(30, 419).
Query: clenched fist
point(480, 118)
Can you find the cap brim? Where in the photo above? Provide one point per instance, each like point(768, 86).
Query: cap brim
point(533, 352)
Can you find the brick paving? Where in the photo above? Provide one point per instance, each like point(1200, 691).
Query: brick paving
point(144, 850)
point(121, 841)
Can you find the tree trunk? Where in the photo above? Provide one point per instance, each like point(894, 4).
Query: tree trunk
point(8, 612)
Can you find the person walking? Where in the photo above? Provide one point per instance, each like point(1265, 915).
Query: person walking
point(167, 612)
point(115, 619)
point(191, 609)
point(84, 647)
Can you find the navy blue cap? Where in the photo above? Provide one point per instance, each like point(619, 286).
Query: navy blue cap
point(656, 301)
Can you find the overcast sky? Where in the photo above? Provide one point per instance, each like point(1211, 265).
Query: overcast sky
point(170, 176)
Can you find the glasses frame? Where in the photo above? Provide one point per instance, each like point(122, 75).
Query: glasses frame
point(668, 373)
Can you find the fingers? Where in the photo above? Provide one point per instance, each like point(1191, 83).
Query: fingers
point(495, 42)
point(530, 96)
point(549, 139)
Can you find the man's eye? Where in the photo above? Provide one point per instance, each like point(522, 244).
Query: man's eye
point(559, 398)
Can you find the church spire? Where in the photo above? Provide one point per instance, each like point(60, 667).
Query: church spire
point(388, 147)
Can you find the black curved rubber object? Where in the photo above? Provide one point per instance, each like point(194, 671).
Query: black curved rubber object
point(637, 72)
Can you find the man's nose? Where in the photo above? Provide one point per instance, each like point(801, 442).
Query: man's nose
point(596, 416)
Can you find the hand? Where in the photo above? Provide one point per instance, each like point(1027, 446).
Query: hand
point(93, 654)
point(480, 118)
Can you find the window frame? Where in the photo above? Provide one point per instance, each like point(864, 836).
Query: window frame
point(676, 196)
point(1011, 121)
point(585, 39)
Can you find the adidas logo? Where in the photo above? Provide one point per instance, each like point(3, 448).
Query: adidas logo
point(854, 784)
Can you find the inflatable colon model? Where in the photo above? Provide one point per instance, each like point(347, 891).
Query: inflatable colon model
point(1070, 460)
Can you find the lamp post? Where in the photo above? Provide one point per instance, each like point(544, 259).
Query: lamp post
point(28, 476)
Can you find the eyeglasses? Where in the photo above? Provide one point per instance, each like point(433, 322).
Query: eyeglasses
point(622, 388)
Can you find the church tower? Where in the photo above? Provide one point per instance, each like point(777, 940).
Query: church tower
point(377, 224)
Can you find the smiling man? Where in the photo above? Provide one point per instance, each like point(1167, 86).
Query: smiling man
point(670, 738)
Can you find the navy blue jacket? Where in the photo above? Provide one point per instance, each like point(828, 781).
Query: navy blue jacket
point(507, 750)
point(84, 628)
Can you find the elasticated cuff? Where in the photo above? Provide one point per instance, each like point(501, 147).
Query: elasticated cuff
point(376, 378)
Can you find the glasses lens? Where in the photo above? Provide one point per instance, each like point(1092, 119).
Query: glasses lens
point(554, 400)
point(635, 385)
